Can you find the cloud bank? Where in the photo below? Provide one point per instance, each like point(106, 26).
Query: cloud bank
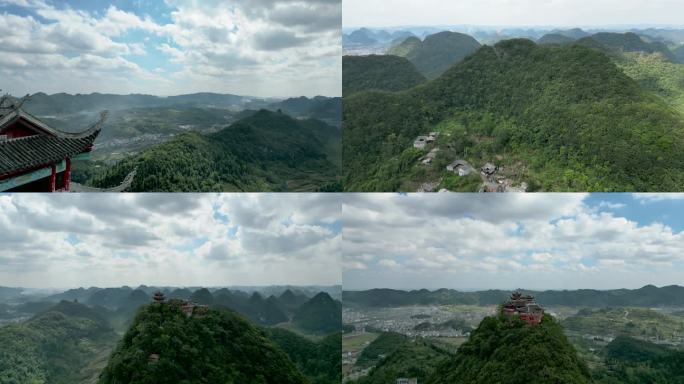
point(262, 47)
point(75, 240)
point(540, 241)
point(374, 13)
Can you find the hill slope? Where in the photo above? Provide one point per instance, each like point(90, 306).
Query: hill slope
point(616, 43)
point(413, 358)
point(56, 346)
point(555, 38)
point(512, 352)
point(208, 347)
point(632, 361)
point(439, 52)
point(378, 72)
point(403, 48)
point(321, 314)
point(320, 361)
point(267, 151)
point(565, 116)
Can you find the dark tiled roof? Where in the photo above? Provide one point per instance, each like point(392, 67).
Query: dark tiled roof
point(12, 115)
point(34, 151)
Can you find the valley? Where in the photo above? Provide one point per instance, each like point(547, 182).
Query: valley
point(187, 127)
point(378, 329)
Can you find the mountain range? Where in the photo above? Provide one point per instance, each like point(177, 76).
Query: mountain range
point(647, 296)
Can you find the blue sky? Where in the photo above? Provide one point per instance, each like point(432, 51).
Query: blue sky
point(271, 48)
point(539, 241)
point(72, 240)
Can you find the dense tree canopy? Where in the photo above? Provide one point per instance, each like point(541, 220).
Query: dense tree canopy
point(320, 361)
point(267, 151)
point(566, 112)
point(54, 346)
point(378, 72)
point(438, 52)
point(504, 350)
point(208, 347)
point(321, 314)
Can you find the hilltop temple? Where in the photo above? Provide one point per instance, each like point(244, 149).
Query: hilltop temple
point(524, 307)
point(35, 157)
point(188, 307)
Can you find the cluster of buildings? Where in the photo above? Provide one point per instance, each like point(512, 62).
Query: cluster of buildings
point(188, 307)
point(523, 307)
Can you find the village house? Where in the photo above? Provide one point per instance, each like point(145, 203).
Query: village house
point(427, 159)
point(489, 169)
point(407, 381)
point(460, 167)
point(420, 142)
point(153, 358)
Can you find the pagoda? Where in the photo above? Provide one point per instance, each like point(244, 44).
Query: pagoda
point(35, 157)
point(523, 307)
point(159, 297)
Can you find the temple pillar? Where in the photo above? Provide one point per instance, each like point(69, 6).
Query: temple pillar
point(53, 177)
point(67, 176)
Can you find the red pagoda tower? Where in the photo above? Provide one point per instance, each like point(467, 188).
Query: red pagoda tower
point(523, 307)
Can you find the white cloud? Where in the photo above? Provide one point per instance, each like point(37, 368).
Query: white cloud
point(646, 198)
point(173, 239)
point(486, 241)
point(262, 48)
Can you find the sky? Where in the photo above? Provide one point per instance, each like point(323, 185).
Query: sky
point(377, 13)
point(266, 48)
point(109, 240)
point(509, 241)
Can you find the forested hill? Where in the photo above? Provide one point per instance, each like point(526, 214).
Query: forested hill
point(503, 350)
point(438, 52)
point(164, 345)
point(566, 114)
point(393, 355)
point(55, 346)
point(378, 72)
point(321, 314)
point(320, 360)
point(267, 151)
point(617, 43)
point(647, 296)
point(633, 361)
point(555, 38)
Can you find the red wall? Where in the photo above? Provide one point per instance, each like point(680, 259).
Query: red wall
point(16, 130)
